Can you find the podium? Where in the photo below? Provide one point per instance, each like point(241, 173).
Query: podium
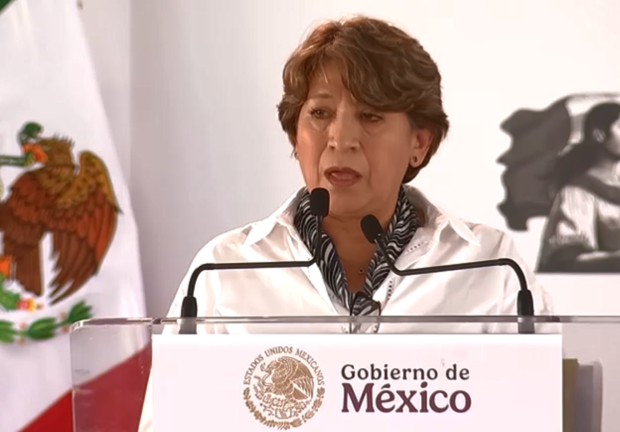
point(310, 373)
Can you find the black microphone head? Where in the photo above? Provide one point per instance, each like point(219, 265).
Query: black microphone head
point(319, 202)
point(371, 228)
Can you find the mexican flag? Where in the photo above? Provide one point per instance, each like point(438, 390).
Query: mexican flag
point(68, 238)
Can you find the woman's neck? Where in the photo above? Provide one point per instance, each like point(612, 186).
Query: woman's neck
point(354, 251)
point(344, 231)
point(349, 240)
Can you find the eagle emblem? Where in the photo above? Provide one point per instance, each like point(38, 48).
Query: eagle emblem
point(287, 377)
point(72, 202)
point(288, 388)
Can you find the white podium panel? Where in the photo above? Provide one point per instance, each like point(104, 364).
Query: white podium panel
point(361, 382)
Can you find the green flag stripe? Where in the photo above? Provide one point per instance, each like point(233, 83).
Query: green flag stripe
point(4, 3)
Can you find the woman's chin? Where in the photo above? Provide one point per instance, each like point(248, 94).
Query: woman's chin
point(349, 201)
point(348, 207)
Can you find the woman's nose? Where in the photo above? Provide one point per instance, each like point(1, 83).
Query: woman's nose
point(345, 133)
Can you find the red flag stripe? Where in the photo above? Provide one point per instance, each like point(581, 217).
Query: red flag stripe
point(116, 395)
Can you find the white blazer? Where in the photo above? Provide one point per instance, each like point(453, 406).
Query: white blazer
point(442, 239)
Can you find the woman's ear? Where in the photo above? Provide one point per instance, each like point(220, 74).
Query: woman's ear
point(420, 144)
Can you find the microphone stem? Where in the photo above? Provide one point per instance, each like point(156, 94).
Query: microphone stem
point(319, 238)
point(189, 307)
point(525, 302)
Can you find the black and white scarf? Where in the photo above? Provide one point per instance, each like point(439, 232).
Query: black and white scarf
point(400, 231)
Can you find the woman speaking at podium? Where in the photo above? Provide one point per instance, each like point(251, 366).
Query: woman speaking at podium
point(362, 109)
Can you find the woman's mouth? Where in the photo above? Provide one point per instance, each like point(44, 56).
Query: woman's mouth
point(342, 177)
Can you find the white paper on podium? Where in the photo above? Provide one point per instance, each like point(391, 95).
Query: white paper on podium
point(325, 382)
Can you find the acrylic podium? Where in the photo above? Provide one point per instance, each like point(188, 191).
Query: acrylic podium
point(310, 373)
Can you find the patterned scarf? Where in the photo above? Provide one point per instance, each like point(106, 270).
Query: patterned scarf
point(400, 231)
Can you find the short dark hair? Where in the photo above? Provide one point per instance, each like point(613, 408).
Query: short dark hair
point(382, 66)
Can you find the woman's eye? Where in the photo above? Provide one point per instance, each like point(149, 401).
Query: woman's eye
point(370, 117)
point(318, 113)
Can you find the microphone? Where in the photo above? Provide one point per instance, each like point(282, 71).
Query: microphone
point(525, 303)
point(319, 208)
